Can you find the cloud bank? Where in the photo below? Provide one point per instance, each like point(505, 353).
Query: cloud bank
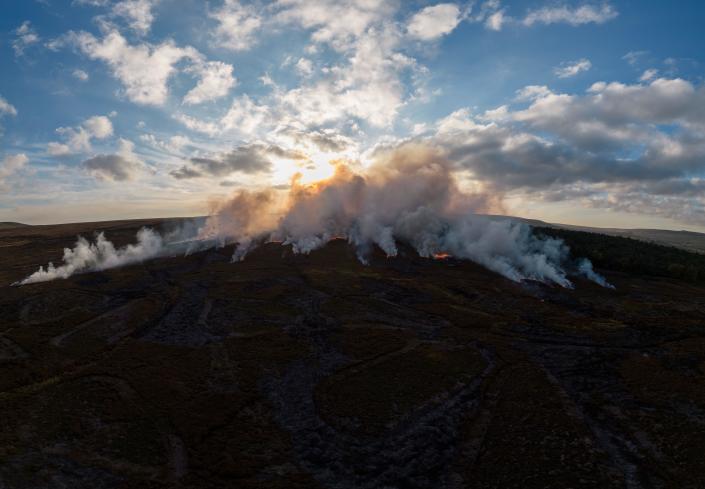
point(633, 148)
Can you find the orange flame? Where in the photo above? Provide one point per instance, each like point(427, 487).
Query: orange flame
point(442, 256)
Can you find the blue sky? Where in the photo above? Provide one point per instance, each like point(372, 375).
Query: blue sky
point(586, 112)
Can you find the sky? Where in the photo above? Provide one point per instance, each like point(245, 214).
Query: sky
point(580, 112)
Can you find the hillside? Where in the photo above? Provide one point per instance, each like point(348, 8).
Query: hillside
point(685, 240)
point(289, 371)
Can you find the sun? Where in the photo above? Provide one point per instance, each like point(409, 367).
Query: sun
point(318, 166)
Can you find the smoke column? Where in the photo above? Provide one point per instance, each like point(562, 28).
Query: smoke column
point(100, 255)
point(409, 195)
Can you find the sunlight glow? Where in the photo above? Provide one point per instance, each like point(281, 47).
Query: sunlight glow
point(319, 166)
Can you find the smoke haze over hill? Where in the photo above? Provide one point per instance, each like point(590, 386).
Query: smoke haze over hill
point(409, 195)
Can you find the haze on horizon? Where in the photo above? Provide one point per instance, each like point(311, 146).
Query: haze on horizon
point(580, 112)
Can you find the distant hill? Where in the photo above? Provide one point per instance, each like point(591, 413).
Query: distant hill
point(685, 240)
point(10, 225)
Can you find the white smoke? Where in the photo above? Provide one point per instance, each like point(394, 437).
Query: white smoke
point(585, 268)
point(410, 195)
point(101, 255)
point(506, 247)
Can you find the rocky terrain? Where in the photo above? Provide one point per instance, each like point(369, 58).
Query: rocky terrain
point(289, 371)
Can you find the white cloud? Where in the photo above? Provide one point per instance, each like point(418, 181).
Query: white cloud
point(10, 165)
point(178, 142)
point(615, 116)
point(143, 69)
point(245, 116)
point(571, 69)
point(92, 3)
point(173, 144)
point(237, 25)
point(648, 75)
point(491, 14)
point(6, 108)
point(495, 21)
point(367, 86)
point(632, 57)
point(216, 80)
point(573, 147)
point(663, 101)
point(456, 122)
point(137, 13)
point(327, 141)
point(266, 80)
point(532, 92)
point(80, 75)
point(58, 149)
point(434, 22)
point(304, 66)
point(334, 22)
point(364, 84)
point(99, 127)
point(495, 17)
point(500, 113)
point(585, 14)
point(26, 36)
point(206, 127)
point(78, 139)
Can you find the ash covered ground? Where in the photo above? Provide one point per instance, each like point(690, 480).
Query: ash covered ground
point(291, 371)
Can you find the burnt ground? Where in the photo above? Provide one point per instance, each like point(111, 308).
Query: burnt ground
point(289, 371)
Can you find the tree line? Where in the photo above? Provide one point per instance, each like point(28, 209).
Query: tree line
point(630, 255)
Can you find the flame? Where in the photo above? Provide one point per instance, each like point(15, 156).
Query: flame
point(442, 256)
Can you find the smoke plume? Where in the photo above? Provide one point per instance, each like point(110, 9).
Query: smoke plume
point(585, 268)
point(101, 255)
point(409, 195)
